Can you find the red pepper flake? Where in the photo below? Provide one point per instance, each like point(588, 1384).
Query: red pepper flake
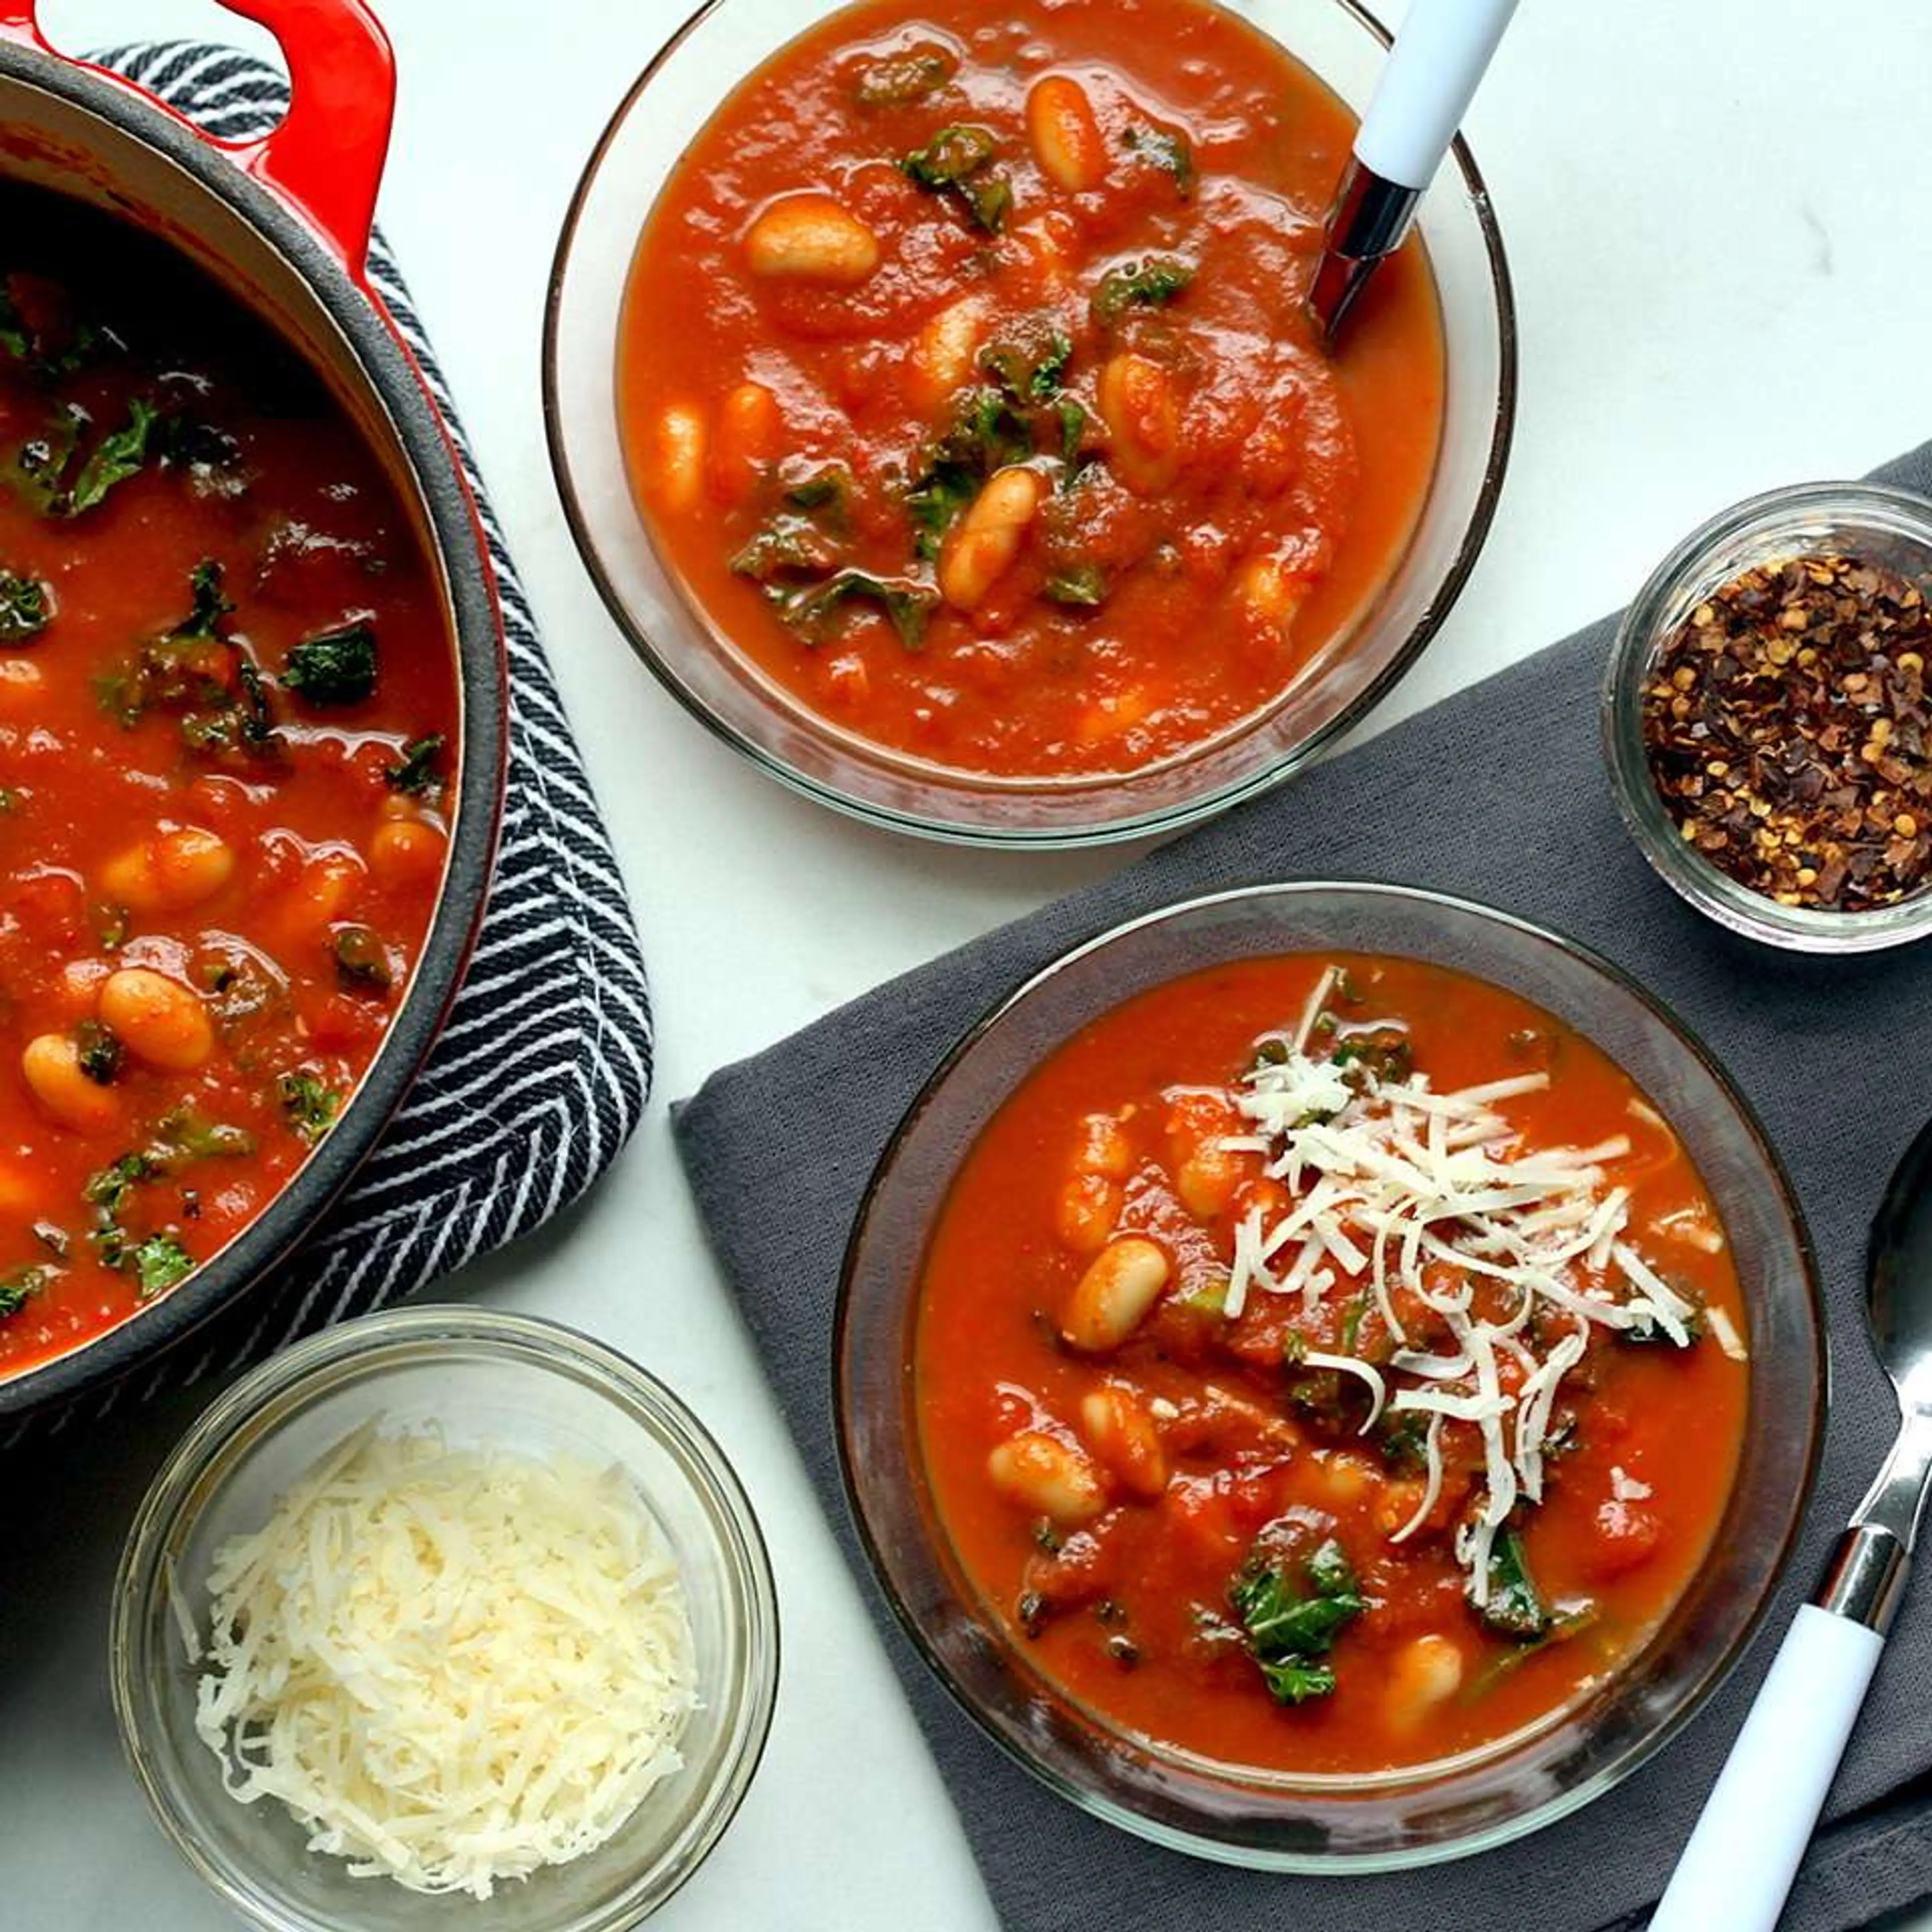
point(1787, 732)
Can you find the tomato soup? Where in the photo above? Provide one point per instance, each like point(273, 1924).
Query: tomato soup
point(1329, 1365)
point(966, 383)
point(227, 719)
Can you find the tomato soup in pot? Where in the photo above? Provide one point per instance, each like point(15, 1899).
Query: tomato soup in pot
point(228, 713)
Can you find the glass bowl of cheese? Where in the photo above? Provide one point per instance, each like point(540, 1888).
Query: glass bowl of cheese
point(445, 1614)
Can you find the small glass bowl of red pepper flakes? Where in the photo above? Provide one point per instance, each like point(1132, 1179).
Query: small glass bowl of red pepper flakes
point(1768, 716)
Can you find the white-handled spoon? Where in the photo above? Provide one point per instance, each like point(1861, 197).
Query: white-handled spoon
point(1738, 1868)
point(1438, 59)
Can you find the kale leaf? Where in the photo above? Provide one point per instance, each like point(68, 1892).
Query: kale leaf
point(902, 79)
point(815, 611)
point(194, 670)
point(185, 1133)
point(1291, 1626)
point(1515, 1607)
point(826, 491)
point(1385, 1052)
point(1029, 367)
point(1168, 149)
point(157, 1260)
point(415, 774)
point(1081, 587)
point(25, 608)
point(1402, 1438)
point(1566, 1620)
point(1072, 416)
point(958, 161)
point(160, 1261)
point(804, 542)
point(119, 455)
point(935, 499)
point(335, 667)
point(788, 547)
point(987, 433)
point(310, 1106)
point(107, 1191)
point(1029, 363)
point(19, 1285)
point(209, 606)
point(100, 1052)
point(1151, 283)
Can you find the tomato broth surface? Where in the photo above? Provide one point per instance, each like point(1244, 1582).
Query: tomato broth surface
point(227, 716)
point(1176, 1440)
point(966, 384)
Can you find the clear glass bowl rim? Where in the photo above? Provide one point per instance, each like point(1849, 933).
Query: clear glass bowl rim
point(1699, 883)
point(1159, 820)
point(368, 1343)
point(1640, 1750)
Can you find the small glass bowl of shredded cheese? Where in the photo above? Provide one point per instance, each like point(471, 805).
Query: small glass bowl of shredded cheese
point(445, 1615)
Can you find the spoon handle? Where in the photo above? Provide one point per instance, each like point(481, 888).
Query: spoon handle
point(1744, 1853)
point(1439, 57)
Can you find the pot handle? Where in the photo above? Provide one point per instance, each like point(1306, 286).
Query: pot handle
point(325, 158)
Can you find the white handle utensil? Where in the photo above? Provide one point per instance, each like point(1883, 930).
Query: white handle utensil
point(1742, 1858)
point(1439, 57)
point(1745, 1852)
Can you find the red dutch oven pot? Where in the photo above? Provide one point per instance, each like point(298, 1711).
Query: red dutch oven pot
point(283, 223)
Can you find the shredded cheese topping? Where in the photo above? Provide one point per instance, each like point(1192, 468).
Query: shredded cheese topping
point(1392, 1183)
point(453, 1666)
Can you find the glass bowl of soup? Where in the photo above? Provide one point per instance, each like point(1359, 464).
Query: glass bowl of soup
point(933, 400)
point(1329, 1376)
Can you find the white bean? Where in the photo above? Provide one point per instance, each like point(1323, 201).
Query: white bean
point(1206, 1181)
point(157, 1019)
point(982, 548)
point(1115, 1295)
point(1086, 1212)
point(1064, 134)
point(677, 457)
point(50, 1064)
point(943, 352)
point(1121, 1431)
point(811, 237)
point(1046, 1476)
point(1424, 1672)
point(1270, 596)
point(1143, 419)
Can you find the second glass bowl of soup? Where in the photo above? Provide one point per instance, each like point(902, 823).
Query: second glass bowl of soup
point(1069, 307)
point(1180, 1425)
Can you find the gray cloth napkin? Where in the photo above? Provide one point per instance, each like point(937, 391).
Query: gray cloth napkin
point(1500, 794)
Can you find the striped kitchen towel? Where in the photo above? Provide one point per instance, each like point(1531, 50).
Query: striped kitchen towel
point(545, 1065)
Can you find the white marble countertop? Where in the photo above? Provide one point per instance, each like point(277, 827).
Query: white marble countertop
point(1705, 207)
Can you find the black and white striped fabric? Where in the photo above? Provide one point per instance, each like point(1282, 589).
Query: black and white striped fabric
point(545, 1065)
